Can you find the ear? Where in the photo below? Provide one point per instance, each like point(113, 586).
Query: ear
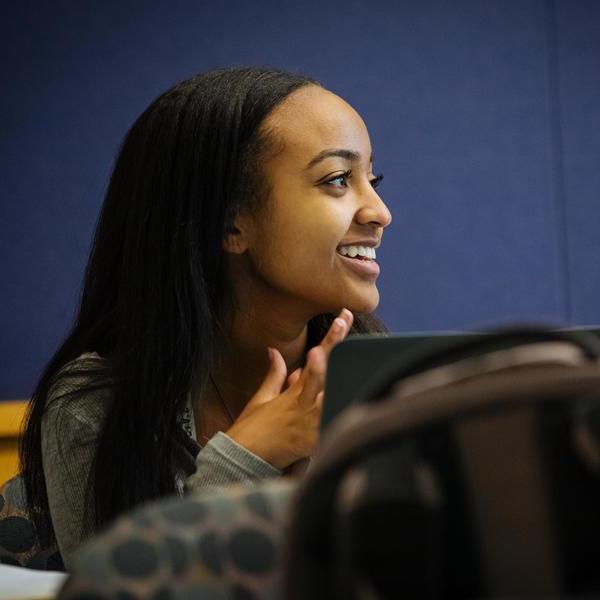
point(236, 239)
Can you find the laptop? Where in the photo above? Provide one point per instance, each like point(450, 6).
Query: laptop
point(353, 362)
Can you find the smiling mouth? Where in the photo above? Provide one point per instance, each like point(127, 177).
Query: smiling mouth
point(361, 253)
point(358, 257)
point(362, 266)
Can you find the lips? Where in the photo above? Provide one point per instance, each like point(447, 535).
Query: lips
point(359, 257)
point(371, 243)
point(365, 268)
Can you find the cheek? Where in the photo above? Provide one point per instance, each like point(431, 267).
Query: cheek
point(298, 257)
point(298, 253)
point(307, 237)
point(305, 261)
point(318, 279)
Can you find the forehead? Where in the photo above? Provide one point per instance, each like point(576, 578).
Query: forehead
point(312, 119)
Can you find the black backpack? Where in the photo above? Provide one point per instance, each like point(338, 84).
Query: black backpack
point(468, 471)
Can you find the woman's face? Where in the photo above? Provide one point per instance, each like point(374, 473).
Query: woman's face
point(321, 198)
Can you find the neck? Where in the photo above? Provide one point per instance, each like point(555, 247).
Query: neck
point(256, 316)
point(245, 362)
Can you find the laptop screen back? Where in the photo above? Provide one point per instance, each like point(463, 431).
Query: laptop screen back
point(354, 361)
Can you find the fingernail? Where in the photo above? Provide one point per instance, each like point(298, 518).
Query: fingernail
point(270, 351)
point(316, 357)
point(338, 325)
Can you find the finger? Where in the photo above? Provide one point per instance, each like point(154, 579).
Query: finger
point(313, 375)
point(319, 400)
point(348, 315)
point(299, 467)
point(274, 380)
point(338, 331)
point(293, 377)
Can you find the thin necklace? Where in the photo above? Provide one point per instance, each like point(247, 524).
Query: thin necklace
point(231, 419)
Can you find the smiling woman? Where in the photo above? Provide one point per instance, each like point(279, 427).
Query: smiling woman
point(240, 219)
point(322, 199)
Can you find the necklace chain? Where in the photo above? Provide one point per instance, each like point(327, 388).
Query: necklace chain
point(231, 419)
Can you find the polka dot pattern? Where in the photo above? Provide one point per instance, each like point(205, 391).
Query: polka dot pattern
point(185, 512)
point(135, 558)
point(252, 551)
point(18, 540)
point(140, 518)
point(177, 553)
point(208, 549)
point(223, 544)
point(17, 534)
point(258, 505)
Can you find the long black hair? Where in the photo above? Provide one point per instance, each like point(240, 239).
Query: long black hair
point(154, 283)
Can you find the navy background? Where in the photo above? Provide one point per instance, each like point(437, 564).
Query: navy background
point(484, 116)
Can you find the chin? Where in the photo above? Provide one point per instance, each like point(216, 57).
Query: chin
point(365, 302)
point(363, 308)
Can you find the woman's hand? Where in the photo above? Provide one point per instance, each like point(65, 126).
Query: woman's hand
point(282, 426)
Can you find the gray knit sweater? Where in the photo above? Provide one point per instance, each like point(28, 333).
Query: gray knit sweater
point(69, 436)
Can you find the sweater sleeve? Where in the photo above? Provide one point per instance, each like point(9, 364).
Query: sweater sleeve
point(70, 431)
point(69, 438)
point(223, 461)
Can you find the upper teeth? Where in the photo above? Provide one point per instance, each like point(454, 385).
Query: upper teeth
point(353, 251)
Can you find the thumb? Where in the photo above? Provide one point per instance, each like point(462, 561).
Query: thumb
point(275, 378)
point(293, 377)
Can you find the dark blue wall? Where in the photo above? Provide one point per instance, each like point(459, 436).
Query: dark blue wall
point(484, 116)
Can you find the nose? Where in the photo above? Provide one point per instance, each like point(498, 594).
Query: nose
point(373, 210)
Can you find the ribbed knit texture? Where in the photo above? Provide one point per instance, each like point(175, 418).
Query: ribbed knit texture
point(223, 461)
point(70, 430)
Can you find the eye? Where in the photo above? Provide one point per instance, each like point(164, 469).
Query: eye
point(340, 180)
point(376, 180)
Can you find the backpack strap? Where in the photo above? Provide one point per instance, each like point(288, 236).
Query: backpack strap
point(504, 470)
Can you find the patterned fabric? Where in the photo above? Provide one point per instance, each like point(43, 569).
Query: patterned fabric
point(19, 544)
point(222, 544)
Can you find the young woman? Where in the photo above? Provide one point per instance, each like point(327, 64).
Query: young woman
point(240, 219)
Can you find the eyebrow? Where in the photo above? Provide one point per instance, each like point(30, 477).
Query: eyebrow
point(350, 155)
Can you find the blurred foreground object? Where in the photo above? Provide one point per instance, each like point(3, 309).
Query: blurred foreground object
point(471, 470)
